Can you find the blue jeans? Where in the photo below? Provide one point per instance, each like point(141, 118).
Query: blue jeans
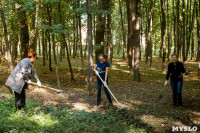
point(176, 90)
point(99, 85)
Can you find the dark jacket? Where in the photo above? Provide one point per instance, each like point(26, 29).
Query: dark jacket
point(175, 71)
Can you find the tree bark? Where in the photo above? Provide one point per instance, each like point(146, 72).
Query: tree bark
point(163, 28)
point(177, 27)
point(149, 36)
point(90, 52)
point(9, 58)
point(100, 30)
point(183, 45)
point(130, 39)
point(135, 10)
point(24, 33)
point(33, 31)
point(198, 33)
point(123, 31)
point(48, 35)
point(66, 46)
point(109, 32)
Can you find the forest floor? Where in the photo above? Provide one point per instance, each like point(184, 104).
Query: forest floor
point(76, 111)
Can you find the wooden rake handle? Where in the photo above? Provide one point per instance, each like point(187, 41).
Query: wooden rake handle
point(32, 83)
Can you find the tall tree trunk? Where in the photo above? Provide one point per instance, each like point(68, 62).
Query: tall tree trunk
point(100, 30)
point(177, 27)
point(130, 40)
point(80, 42)
point(6, 38)
point(39, 44)
point(55, 60)
point(109, 34)
point(174, 20)
point(33, 31)
point(90, 52)
point(48, 35)
point(183, 45)
point(14, 49)
point(168, 32)
point(192, 31)
point(123, 31)
point(198, 33)
point(135, 10)
point(74, 34)
point(65, 44)
point(161, 45)
point(86, 46)
point(163, 28)
point(149, 36)
point(43, 47)
point(24, 33)
point(188, 28)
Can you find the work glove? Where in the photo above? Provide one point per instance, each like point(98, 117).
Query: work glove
point(165, 84)
point(105, 84)
point(39, 83)
point(184, 74)
point(28, 81)
point(96, 72)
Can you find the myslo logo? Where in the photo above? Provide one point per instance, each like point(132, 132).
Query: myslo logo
point(185, 128)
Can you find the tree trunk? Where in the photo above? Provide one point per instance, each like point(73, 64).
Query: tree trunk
point(55, 60)
point(135, 10)
point(33, 31)
point(177, 27)
point(183, 45)
point(100, 30)
point(80, 42)
point(149, 36)
point(74, 35)
point(174, 19)
point(66, 46)
point(90, 52)
point(198, 34)
point(123, 31)
point(86, 46)
point(24, 33)
point(161, 45)
point(109, 34)
point(43, 47)
point(163, 28)
point(130, 40)
point(9, 58)
point(168, 32)
point(14, 49)
point(192, 30)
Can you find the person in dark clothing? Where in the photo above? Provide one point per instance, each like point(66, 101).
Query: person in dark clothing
point(175, 72)
point(102, 68)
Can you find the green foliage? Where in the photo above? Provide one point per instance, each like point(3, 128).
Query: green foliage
point(39, 118)
point(56, 28)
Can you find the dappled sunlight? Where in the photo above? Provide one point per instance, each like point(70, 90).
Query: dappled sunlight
point(79, 106)
point(115, 68)
point(43, 119)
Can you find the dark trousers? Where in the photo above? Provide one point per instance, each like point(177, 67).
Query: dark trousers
point(20, 98)
point(176, 90)
point(99, 85)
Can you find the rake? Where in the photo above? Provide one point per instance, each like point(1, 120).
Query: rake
point(121, 108)
point(54, 89)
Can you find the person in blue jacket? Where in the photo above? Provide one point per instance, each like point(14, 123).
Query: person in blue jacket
point(102, 67)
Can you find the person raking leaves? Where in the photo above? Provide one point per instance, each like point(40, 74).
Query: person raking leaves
point(176, 71)
point(102, 68)
point(20, 78)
